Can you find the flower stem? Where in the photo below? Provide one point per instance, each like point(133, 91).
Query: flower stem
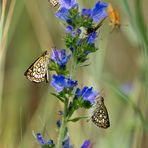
point(74, 67)
point(63, 125)
point(64, 117)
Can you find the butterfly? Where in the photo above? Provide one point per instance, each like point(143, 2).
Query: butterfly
point(113, 17)
point(100, 115)
point(54, 2)
point(38, 70)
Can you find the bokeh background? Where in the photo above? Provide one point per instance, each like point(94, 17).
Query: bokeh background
point(119, 68)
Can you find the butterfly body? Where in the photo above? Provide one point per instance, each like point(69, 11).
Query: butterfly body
point(54, 2)
point(100, 115)
point(113, 17)
point(38, 70)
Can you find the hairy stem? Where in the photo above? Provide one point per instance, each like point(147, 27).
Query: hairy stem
point(74, 67)
point(63, 125)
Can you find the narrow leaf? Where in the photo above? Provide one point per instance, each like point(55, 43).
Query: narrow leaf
point(77, 119)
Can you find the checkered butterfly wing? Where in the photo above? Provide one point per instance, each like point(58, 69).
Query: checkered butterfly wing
point(100, 115)
point(54, 2)
point(38, 71)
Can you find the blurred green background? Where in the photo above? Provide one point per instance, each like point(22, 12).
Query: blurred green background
point(119, 68)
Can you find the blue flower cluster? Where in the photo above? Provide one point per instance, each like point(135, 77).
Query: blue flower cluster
point(80, 40)
point(87, 94)
point(96, 14)
point(81, 34)
point(66, 142)
point(42, 141)
point(59, 83)
point(65, 6)
point(59, 57)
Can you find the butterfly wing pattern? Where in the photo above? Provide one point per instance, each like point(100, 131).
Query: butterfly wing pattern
point(54, 2)
point(100, 115)
point(38, 71)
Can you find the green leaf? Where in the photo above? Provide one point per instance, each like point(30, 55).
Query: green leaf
point(77, 119)
point(85, 65)
point(87, 104)
point(60, 98)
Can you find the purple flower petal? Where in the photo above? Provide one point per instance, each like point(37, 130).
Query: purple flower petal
point(58, 83)
point(68, 4)
point(59, 57)
point(40, 139)
point(71, 83)
point(86, 12)
point(66, 143)
point(50, 142)
point(62, 14)
point(99, 17)
point(69, 29)
point(98, 12)
point(55, 55)
point(78, 93)
point(78, 31)
point(91, 38)
point(86, 144)
point(89, 95)
point(99, 7)
point(71, 49)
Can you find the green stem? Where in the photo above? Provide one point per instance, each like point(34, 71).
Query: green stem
point(74, 67)
point(63, 125)
point(64, 117)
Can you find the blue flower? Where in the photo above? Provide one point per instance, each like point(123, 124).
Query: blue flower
point(79, 42)
point(71, 83)
point(66, 143)
point(86, 144)
point(86, 12)
point(87, 94)
point(97, 13)
point(42, 141)
point(91, 38)
point(68, 4)
point(69, 29)
point(78, 93)
point(63, 14)
point(58, 123)
point(59, 57)
point(127, 88)
point(71, 49)
point(78, 31)
point(59, 83)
